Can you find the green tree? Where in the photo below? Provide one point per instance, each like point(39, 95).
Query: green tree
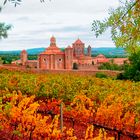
point(132, 71)
point(110, 66)
point(124, 23)
point(3, 29)
point(1, 61)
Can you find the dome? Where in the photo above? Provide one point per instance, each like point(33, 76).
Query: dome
point(101, 56)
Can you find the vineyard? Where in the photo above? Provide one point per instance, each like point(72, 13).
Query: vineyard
point(92, 108)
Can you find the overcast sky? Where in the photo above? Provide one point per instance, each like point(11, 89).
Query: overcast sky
point(34, 23)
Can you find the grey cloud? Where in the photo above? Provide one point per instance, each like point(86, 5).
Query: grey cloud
point(61, 6)
point(69, 29)
point(50, 23)
point(23, 19)
point(34, 23)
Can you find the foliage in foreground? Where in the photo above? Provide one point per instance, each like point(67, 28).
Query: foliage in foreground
point(18, 2)
point(124, 23)
point(3, 30)
point(104, 103)
point(21, 119)
point(132, 70)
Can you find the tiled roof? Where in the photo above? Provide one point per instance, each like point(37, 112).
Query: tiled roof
point(103, 60)
point(69, 47)
point(85, 58)
point(100, 56)
point(78, 41)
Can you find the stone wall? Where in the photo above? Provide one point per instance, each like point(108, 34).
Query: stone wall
point(87, 67)
point(81, 72)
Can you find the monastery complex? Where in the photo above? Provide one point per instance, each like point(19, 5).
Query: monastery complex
point(55, 59)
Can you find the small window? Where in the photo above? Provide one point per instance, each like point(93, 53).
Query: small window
point(44, 59)
point(60, 59)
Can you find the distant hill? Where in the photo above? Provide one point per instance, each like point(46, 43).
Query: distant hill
point(29, 51)
point(35, 50)
point(109, 52)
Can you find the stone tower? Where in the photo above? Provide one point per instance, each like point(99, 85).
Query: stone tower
point(89, 51)
point(69, 57)
point(78, 48)
point(23, 57)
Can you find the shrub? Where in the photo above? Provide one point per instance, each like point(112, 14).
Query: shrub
point(110, 66)
point(132, 70)
point(101, 75)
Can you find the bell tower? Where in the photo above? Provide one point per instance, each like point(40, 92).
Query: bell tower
point(69, 57)
point(78, 48)
point(23, 57)
point(89, 51)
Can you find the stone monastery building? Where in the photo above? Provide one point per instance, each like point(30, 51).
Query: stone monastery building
point(55, 59)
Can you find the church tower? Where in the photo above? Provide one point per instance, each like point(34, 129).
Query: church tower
point(23, 57)
point(69, 57)
point(78, 48)
point(89, 51)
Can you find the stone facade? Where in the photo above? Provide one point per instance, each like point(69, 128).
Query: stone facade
point(52, 57)
point(55, 59)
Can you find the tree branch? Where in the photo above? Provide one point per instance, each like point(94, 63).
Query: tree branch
point(127, 12)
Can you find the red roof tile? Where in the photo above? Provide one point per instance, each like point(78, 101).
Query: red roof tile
point(100, 56)
point(85, 58)
point(103, 60)
point(78, 41)
point(69, 47)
